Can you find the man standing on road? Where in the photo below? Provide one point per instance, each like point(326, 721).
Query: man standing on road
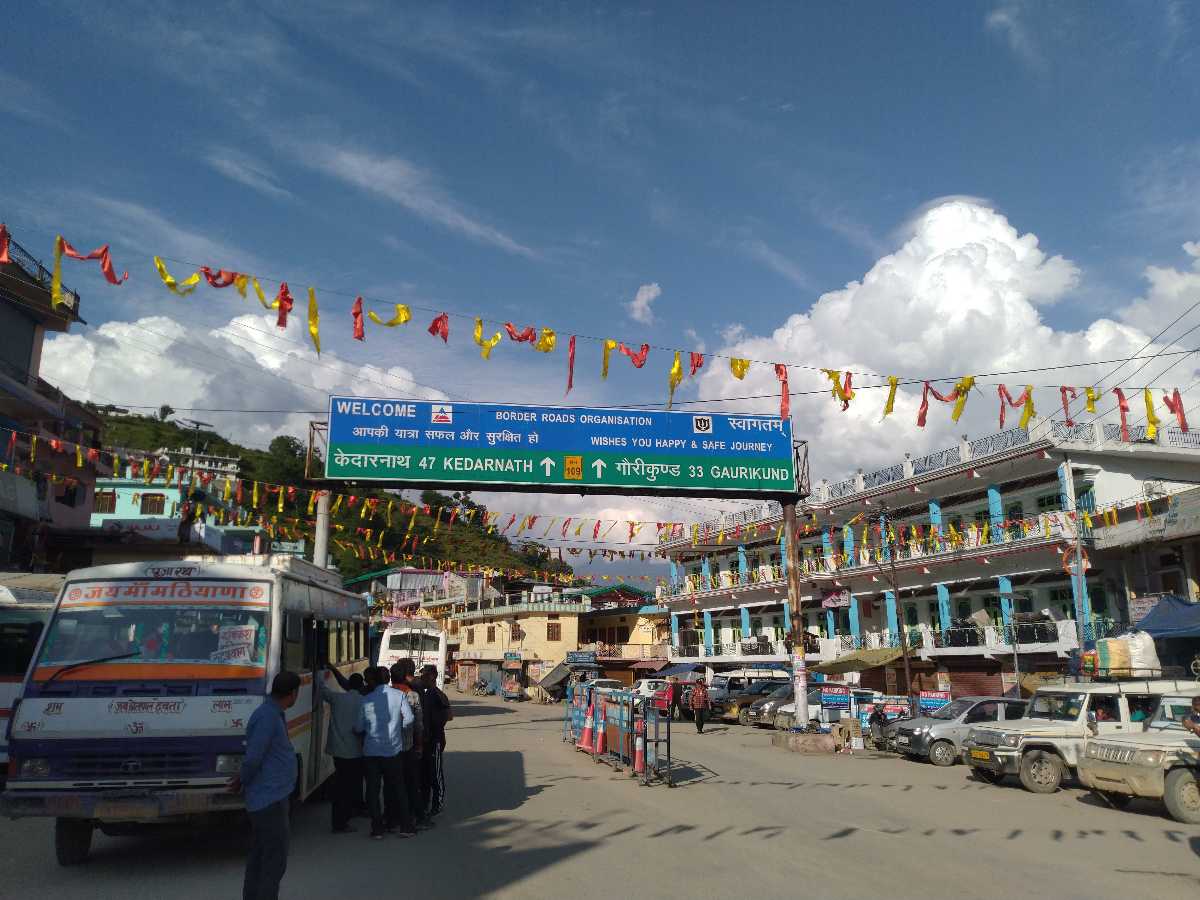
point(404, 679)
point(436, 706)
point(344, 746)
point(385, 719)
point(699, 703)
point(268, 777)
point(674, 692)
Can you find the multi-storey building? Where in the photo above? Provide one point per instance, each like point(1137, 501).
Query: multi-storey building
point(627, 630)
point(967, 549)
point(48, 463)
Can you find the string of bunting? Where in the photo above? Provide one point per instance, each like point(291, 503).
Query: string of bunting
point(545, 340)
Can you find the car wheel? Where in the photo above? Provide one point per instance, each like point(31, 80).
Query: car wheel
point(1116, 801)
point(1182, 795)
point(988, 775)
point(743, 717)
point(1041, 772)
point(941, 753)
point(72, 841)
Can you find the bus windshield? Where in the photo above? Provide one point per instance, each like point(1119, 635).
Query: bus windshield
point(218, 624)
point(417, 641)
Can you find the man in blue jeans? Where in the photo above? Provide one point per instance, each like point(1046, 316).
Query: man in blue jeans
point(267, 778)
point(385, 720)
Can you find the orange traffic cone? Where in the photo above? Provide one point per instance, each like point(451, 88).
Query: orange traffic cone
point(639, 747)
point(585, 739)
point(601, 728)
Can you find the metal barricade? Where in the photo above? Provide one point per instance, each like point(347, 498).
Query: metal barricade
point(621, 729)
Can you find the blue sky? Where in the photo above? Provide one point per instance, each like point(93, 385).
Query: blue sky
point(542, 162)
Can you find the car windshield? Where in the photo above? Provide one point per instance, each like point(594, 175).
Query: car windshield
point(783, 693)
point(1056, 707)
point(1171, 712)
point(952, 710)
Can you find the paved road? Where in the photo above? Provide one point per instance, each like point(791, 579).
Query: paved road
point(527, 817)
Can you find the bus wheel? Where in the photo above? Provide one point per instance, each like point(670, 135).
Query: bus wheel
point(72, 841)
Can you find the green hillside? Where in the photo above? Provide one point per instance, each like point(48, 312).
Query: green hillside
point(465, 542)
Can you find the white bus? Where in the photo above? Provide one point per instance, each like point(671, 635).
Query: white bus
point(26, 601)
point(135, 708)
point(420, 640)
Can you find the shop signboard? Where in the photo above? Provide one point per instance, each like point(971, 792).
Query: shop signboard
point(576, 450)
point(929, 701)
point(581, 657)
point(894, 707)
point(835, 696)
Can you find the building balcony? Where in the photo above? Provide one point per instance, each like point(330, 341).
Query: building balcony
point(627, 651)
point(35, 294)
point(520, 609)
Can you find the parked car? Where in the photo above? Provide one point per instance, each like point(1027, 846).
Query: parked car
point(762, 711)
point(1044, 748)
point(605, 685)
point(939, 737)
point(736, 706)
point(647, 687)
point(1161, 763)
point(786, 714)
point(725, 686)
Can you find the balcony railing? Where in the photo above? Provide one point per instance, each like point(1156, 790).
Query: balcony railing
point(627, 651)
point(39, 273)
point(499, 612)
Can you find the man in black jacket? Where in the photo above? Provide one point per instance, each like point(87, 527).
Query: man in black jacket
point(435, 706)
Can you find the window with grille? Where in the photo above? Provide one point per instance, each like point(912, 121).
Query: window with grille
point(491, 634)
point(1048, 503)
point(1015, 511)
point(153, 504)
point(554, 631)
point(514, 632)
point(105, 502)
point(470, 635)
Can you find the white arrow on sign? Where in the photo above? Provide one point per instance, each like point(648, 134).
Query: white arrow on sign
point(547, 464)
point(599, 465)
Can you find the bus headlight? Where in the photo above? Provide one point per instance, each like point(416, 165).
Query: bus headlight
point(229, 763)
point(35, 768)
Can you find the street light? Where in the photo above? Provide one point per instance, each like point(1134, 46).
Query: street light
point(195, 425)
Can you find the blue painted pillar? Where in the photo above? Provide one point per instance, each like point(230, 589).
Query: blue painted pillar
point(745, 623)
point(1079, 592)
point(827, 548)
point(706, 574)
point(675, 629)
point(787, 615)
point(743, 566)
point(854, 625)
point(1006, 601)
point(995, 513)
point(708, 633)
point(884, 540)
point(893, 616)
point(848, 544)
point(830, 624)
point(935, 519)
point(943, 595)
point(674, 574)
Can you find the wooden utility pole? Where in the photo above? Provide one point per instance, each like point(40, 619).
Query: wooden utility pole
point(799, 667)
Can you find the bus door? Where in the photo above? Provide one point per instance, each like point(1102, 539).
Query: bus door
point(319, 632)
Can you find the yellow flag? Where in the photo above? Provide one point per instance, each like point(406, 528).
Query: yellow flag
point(402, 315)
point(362, 510)
point(146, 470)
point(546, 342)
point(1028, 412)
point(485, 347)
point(179, 288)
point(78, 457)
point(169, 476)
point(279, 505)
point(738, 367)
point(337, 504)
point(1151, 415)
point(893, 382)
point(609, 346)
point(963, 389)
point(314, 320)
point(254, 496)
point(391, 503)
point(1092, 396)
point(262, 297)
point(674, 377)
point(227, 494)
point(56, 297)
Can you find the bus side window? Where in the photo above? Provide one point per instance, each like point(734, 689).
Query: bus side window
point(293, 643)
point(310, 645)
point(359, 642)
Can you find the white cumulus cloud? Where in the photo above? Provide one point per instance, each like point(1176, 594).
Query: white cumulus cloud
point(641, 306)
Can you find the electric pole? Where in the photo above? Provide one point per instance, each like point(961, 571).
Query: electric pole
point(900, 623)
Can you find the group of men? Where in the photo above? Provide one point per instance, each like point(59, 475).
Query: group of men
point(387, 731)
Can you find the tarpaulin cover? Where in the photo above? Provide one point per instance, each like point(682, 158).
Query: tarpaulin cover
point(1172, 617)
point(858, 661)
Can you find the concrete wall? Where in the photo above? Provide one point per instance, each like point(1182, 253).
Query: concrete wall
point(532, 641)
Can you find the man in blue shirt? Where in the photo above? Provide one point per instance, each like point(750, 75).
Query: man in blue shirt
point(385, 720)
point(267, 779)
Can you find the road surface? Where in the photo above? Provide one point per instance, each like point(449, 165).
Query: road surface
point(528, 817)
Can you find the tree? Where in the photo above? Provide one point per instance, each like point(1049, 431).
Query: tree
point(165, 412)
point(284, 463)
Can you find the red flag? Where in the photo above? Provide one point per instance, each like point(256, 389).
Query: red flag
point(222, 278)
point(785, 397)
point(528, 336)
point(1175, 405)
point(1123, 406)
point(697, 360)
point(440, 327)
point(100, 253)
point(4, 244)
point(284, 301)
point(357, 312)
point(638, 359)
point(571, 364)
point(1063, 391)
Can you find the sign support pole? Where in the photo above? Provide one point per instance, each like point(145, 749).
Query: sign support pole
point(799, 667)
point(321, 536)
